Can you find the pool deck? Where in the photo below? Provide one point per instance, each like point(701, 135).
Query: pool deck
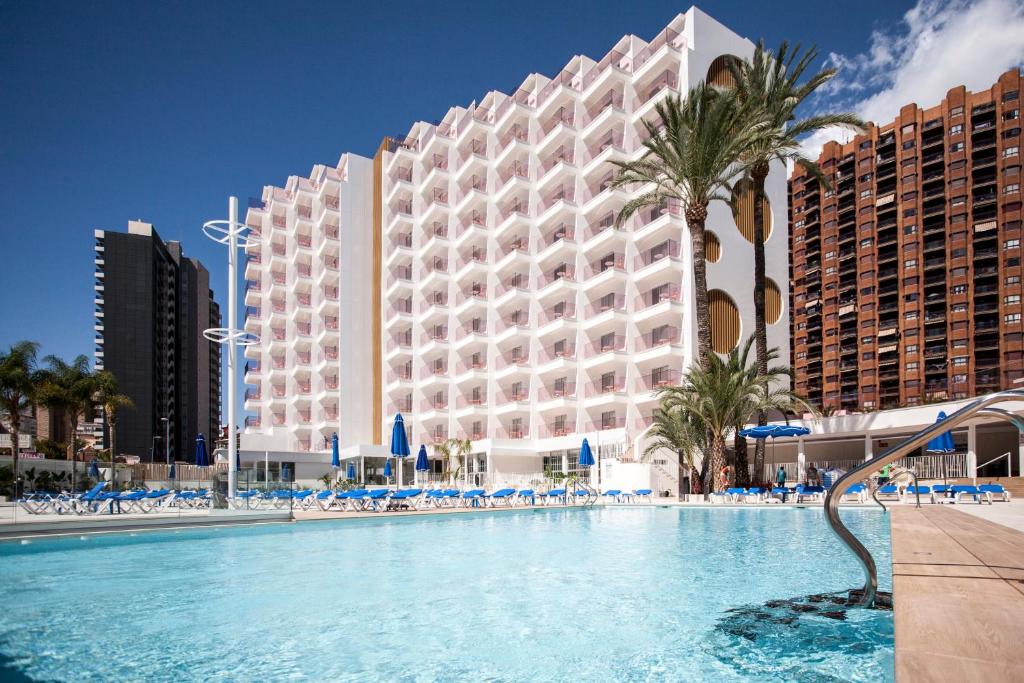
point(958, 592)
point(24, 525)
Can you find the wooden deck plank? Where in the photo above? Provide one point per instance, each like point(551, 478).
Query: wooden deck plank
point(958, 608)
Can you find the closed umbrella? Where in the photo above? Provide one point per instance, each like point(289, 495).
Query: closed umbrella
point(94, 469)
point(399, 443)
point(202, 457)
point(387, 470)
point(351, 473)
point(942, 444)
point(171, 474)
point(422, 463)
point(285, 472)
point(335, 460)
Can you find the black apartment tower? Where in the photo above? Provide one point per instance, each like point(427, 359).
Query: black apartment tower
point(152, 304)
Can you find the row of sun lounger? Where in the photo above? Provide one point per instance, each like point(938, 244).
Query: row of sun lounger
point(777, 494)
point(96, 501)
point(956, 493)
point(376, 500)
point(858, 493)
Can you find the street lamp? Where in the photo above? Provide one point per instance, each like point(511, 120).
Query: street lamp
point(167, 440)
point(235, 236)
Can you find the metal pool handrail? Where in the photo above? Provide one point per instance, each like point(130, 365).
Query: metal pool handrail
point(981, 405)
point(912, 473)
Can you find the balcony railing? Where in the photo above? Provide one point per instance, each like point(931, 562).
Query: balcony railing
point(611, 343)
point(563, 117)
point(434, 403)
point(470, 365)
point(560, 233)
point(557, 391)
point(435, 334)
point(616, 385)
point(659, 295)
point(478, 292)
point(565, 272)
point(434, 370)
point(512, 433)
point(563, 350)
point(558, 428)
point(616, 302)
point(562, 311)
point(470, 401)
point(657, 380)
point(511, 360)
point(658, 337)
point(609, 262)
point(520, 244)
point(669, 249)
point(606, 424)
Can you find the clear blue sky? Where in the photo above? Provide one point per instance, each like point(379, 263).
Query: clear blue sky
point(159, 111)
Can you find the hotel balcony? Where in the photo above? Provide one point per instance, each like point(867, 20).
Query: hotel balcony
point(657, 260)
point(474, 404)
point(512, 401)
point(658, 223)
point(434, 373)
point(475, 186)
point(471, 368)
point(513, 431)
point(399, 376)
point(664, 86)
point(558, 167)
point(474, 330)
point(657, 343)
point(472, 296)
point(471, 261)
point(665, 299)
point(516, 175)
point(604, 270)
point(608, 146)
point(399, 311)
point(515, 213)
point(516, 138)
point(436, 337)
point(559, 127)
point(515, 252)
point(434, 408)
point(606, 423)
point(559, 238)
point(555, 318)
point(609, 349)
point(608, 109)
point(514, 323)
point(563, 197)
point(562, 277)
point(472, 225)
point(511, 362)
point(559, 395)
point(649, 384)
point(399, 344)
point(472, 156)
point(561, 355)
point(604, 309)
point(557, 428)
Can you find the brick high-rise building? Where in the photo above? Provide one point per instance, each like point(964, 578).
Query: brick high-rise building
point(906, 274)
point(152, 305)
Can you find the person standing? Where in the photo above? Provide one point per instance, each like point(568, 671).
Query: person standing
point(780, 477)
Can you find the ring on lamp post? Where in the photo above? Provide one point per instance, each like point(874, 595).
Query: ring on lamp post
point(223, 335)
point(220, 231)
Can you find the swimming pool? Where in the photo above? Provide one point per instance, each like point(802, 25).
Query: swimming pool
point(625, 594)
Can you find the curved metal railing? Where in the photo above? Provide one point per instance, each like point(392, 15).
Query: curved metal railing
point(903, 473)
point(982, 406)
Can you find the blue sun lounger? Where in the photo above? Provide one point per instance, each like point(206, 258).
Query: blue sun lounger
point(964, 490)
point(644, 493)
point(859, 491)
point(525, 497)
point(376, 500)
point(911, 493)
point(407, 498)
point(613, 494)
point(472, 498)
point(995, 490)
point(889, 491)
point(503, 495)
point(756, 492)
point(556, 495)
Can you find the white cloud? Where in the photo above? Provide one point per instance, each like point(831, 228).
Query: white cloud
point(938, 45)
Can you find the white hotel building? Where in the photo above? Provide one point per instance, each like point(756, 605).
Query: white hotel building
point(472, 278)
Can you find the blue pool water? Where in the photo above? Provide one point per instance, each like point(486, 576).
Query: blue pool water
point(627, 594)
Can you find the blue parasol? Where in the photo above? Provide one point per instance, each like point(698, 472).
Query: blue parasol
point(202, 458)
point(335, 460)
point(943, 443)
point(399, 441)
point(387, 468)
point(285, 471)
point(171, 472)
point(351, 474)
point(94, 469)
point(586, 457)
point(422, 464)
point(773, 431)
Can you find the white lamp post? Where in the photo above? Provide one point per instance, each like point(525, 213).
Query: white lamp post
point(235, 236)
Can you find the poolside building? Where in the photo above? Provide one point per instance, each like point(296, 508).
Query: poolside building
point(482, 287)
point(152, 304)
point(907, 273)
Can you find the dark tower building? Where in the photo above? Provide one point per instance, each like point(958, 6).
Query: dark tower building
point(907, 272)
point(152, 304)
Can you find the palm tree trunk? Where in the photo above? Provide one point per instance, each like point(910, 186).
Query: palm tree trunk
point(15, 437)
point(72, 421)
point(742, 473)
point(759, 173)
point(696, 216)
point(112, 428)
point(716, 464)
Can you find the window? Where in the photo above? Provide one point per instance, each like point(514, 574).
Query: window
point(909, 229)
point(956, 147)
point(1011, 114)
point(867, 355)
point(958, 272)
point(865, 193)
point(1011, 132)
point(959, 360)
point(956, 111)
point(1011, 188)
point(959, 343)
point(1010, 152)
point(869, 339)
point(1013, 279)
point(1012, 318)
point(959, 379)
point(909, 144)
point(911, 349)
point(910, 315)
point(1010, 95)
point(958, 308)
point(1012, 300)
point(912, 366)
point(958, 289)
point(1011, 244)
point(958, 253)
point(910, 263)
point(958, 201)
point(957, 129)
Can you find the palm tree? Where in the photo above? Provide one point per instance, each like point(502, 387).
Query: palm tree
point(719, 397)
point(690, 158)
point(453, 450)
point(738, 360)
point(772, 87)
point(678, 432)
point(17, 391)
point(111, 400)
point(69, 387)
